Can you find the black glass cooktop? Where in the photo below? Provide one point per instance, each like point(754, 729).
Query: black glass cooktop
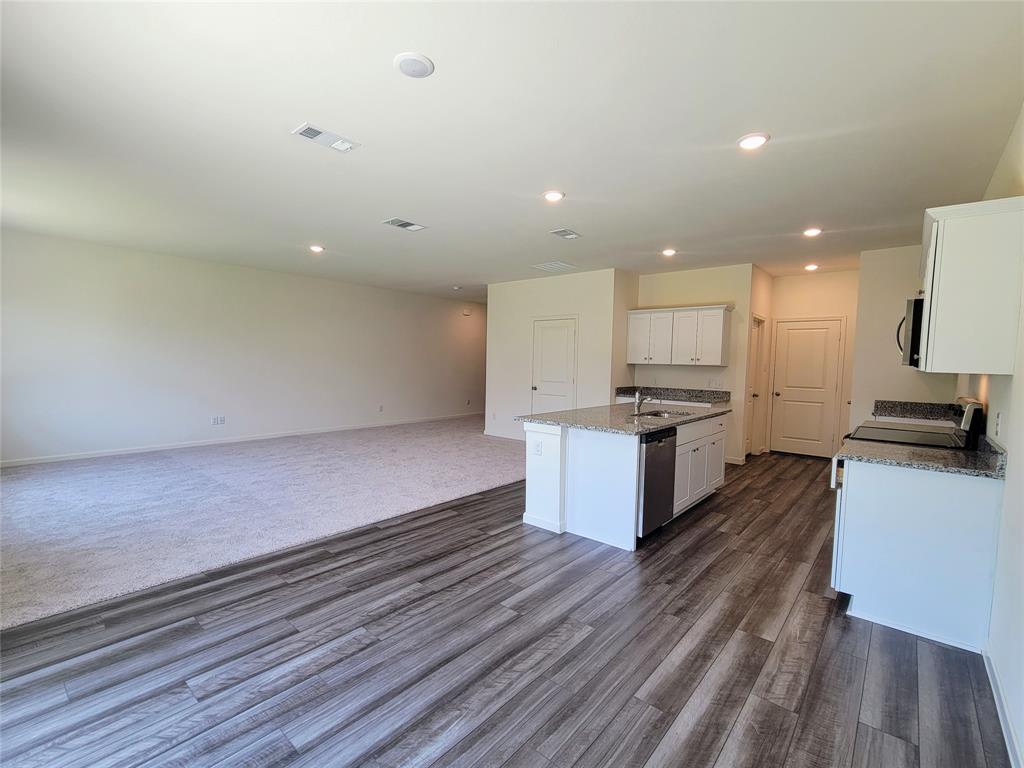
point(910, 434)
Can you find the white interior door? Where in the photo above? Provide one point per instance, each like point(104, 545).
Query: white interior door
point(554, 365)
point(806, 392)
point(752, 394)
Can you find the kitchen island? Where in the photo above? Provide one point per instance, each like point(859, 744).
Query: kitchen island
point(584, 467)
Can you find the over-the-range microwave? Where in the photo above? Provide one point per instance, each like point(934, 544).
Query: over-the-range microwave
point(908, 332)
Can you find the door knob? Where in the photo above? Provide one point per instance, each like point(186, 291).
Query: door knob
point(777, 394)
point(534, 389)
point(755, 395)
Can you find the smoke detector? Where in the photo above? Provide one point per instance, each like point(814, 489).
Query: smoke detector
point(566, 234)
point(554, 266)
point(408, 226)
point(413, 64)
point(326, 138)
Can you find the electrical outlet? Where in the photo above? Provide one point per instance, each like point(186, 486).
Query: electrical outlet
point(538, 448)
point(218, 421)
point(467, 402)
point(999, 422)
point(380, 408)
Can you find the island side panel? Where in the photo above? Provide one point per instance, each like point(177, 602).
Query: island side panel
point(545, 476)
point(601, 484)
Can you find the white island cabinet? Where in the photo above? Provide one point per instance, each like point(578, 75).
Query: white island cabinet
point(584, 467)
point(915, 543)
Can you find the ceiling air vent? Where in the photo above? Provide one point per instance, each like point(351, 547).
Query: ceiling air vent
point(326, 138)
point(566, 234)
point(554, 266)
point(408, 226)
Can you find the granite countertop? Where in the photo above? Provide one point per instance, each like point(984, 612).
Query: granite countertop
point(620, 418)
point(987, 461)
point(681, 395)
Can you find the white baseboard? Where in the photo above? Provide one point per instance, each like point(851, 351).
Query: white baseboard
point(852, 611)
point(1013, 747)
point(228, 441)
point(735, 460)
point(540, 523)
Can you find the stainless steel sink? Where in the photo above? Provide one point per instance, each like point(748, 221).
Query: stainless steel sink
point(664, 414)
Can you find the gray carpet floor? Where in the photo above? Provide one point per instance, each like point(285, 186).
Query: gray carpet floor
point(74, 533)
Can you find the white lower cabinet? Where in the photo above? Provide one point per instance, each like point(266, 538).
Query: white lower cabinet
point(699, 469)
point(681, 497)
point(716, 461)
point(916, 549)
point(700, 462)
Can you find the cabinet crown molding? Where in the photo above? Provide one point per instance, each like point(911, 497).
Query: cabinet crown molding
point(726, 307)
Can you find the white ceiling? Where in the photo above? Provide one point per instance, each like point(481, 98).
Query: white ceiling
point(167, 127)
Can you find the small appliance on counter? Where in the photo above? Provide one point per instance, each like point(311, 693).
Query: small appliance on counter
point(966, 435)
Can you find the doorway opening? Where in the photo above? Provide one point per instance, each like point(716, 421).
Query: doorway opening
point(755, 412)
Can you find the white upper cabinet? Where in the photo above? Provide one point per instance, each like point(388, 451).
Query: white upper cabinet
point(712, 336)
point(661, 338)
point(700, 336)
point(684, 337)
point(649, 338)
point(972, 264)
point(638, 343)
point(690, 336)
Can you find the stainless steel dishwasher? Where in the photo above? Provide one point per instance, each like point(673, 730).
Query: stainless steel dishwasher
point(657, 478)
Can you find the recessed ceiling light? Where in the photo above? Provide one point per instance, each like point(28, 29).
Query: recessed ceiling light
point(812, 232)
point(414, 64)
point(753, 141)
point(811, 267)
point(554, 196)
point(316, 248)
point(669, 252)
point(456, 287)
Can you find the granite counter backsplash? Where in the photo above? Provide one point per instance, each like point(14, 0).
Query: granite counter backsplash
point(680, 395)
point(988, 461)
point(903, 409)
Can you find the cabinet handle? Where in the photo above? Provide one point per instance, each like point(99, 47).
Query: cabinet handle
point(691, 359)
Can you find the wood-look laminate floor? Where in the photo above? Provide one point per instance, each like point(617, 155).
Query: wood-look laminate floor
point(457, 636)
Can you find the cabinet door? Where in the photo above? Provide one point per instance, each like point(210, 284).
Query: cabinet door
point(684, 337)
point(974, 301)
point(661, 338)
point(638, 342)
point(698, 470)
point(711, 335)
point(716, 461)
point(682, 497)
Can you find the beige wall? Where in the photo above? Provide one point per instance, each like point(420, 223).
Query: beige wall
point(1008, 178)
point(624, 299)
point(511, 309)
point(888, 278)
point(716, 285)
point(106, 350)
point(823, 294)
point(1005, 396)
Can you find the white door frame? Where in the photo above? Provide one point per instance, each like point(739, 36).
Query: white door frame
point(575, 353)
point(840, 376)
point(758, 384)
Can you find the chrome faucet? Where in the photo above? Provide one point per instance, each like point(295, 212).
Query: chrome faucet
point(638, 400)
